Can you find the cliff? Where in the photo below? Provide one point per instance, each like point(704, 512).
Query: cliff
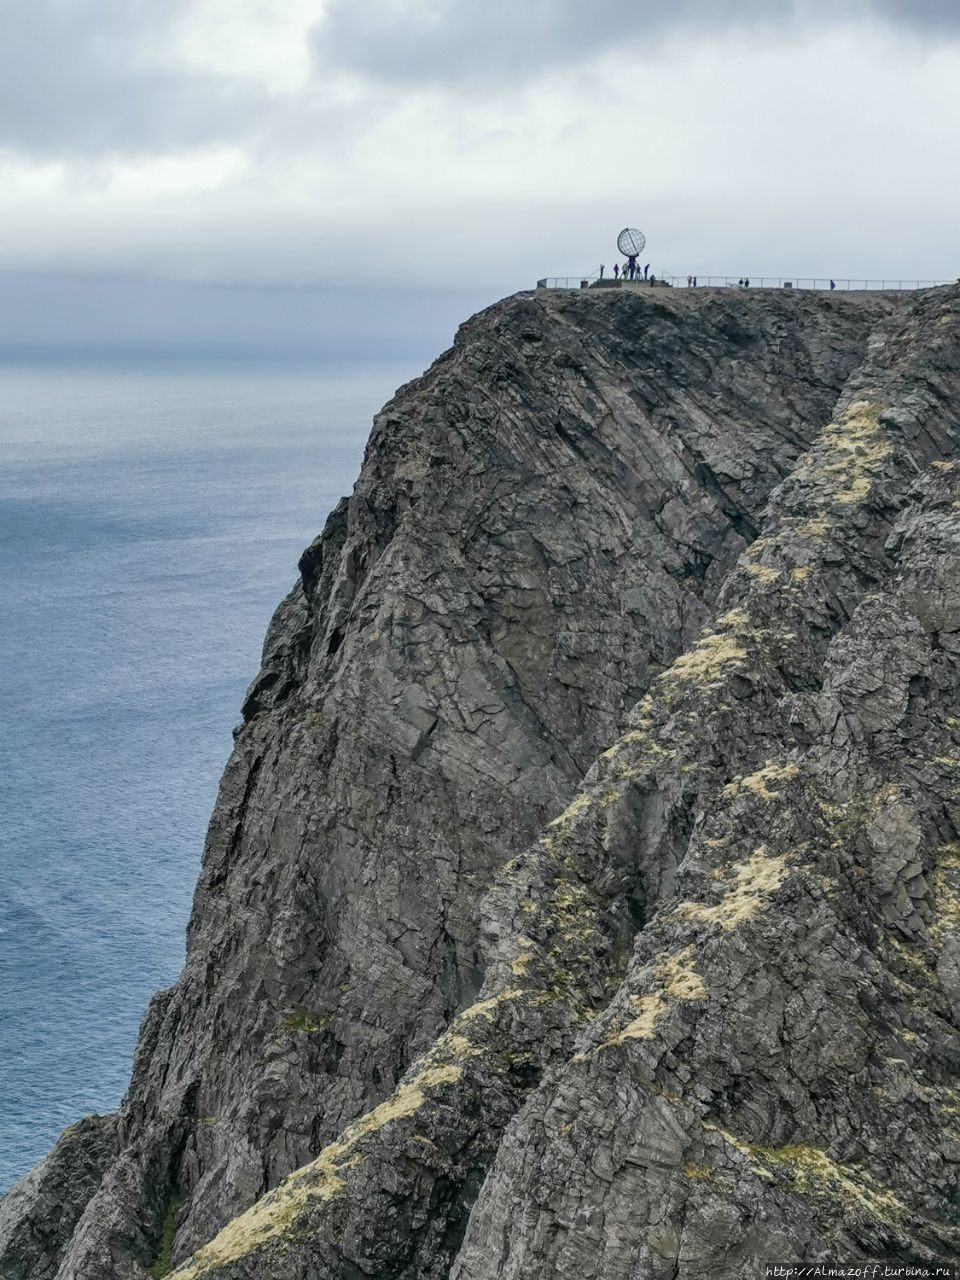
point(582, 898)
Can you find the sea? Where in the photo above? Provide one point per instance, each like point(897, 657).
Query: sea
point(151, 517)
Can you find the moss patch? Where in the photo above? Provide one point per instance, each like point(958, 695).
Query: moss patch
point(301, 1020)
point(162, 1263)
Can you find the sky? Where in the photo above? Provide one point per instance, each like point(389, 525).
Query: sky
point(196, 164)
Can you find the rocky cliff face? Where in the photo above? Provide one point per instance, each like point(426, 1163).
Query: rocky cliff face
point(583, 894)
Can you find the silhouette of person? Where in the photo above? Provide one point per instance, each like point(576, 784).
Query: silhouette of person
point(746, 284)
point(602, 269)
point(740, 282)
point(616, 271)
point(646, 271)
point(689, 281)
point(694, 281)
point(833, 284)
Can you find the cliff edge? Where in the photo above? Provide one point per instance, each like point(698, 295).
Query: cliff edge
point(582, 898)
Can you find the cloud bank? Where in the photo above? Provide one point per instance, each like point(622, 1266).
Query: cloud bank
point(413, 41)
point(448, 144)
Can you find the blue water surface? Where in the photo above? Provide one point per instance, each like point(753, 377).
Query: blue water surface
point(150, 521)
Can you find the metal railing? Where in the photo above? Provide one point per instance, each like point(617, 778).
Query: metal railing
point(593, 279)
point(567, 282)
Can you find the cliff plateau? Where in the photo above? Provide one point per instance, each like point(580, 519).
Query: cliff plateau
point(582, 898)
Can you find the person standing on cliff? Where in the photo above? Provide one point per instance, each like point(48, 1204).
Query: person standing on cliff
point(616, 271)
point(602, 269)
point(646, 271)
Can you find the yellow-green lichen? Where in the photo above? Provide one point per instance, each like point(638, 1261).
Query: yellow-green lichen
point(580, 804)
point(812, 527)
point(912, 958)
point(710, 658)
point(810, 1171)
point(640, 739)
point(751, 883)
point(609, 798)
point(646, 757)
point(321, 1180)
point(523, 957)
point(760, 782)
point(573, 905)
point(324, 1178)
point(676, 980)
point(945, 886)
point(734, 620)
point(763, 573)
point(852, 815)
point(488, 1008)
point(856, 448)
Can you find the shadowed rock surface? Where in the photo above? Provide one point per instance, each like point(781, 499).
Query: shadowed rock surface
point(682, 569)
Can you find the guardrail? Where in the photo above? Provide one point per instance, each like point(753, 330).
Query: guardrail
point(737, 282)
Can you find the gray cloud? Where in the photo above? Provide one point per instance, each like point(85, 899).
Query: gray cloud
point(503, 40)
point(83, 78)
point(933, 16)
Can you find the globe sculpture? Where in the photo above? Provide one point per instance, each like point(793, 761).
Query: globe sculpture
point(630, 242)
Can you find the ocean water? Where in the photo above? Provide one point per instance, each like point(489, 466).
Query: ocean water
point(150, 521)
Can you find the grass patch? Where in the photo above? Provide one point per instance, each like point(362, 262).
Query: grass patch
point(301, 1020)
point(163, 1264)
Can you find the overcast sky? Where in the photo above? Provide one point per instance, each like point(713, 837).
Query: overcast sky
point(475, 145)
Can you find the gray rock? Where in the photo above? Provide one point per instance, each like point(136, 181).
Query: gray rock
point(39, 1215)
point(695, 555)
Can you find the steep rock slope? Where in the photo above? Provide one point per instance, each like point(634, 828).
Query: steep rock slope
point(38, 1217)
point(543, 523)
point(759, 1064)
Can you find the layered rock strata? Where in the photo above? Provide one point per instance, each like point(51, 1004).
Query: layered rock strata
point(583, 895)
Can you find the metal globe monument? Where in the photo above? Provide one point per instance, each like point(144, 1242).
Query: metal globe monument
point(631, 242)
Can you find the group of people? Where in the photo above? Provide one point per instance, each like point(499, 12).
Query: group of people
point(629, 271)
